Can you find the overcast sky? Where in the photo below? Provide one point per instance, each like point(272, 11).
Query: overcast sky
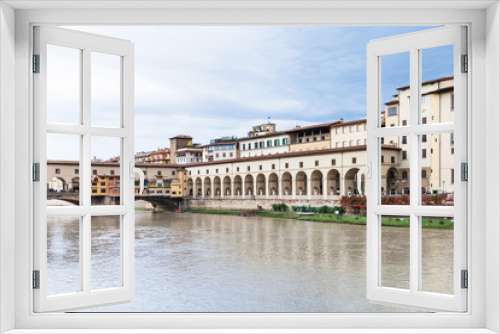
point(210, 82)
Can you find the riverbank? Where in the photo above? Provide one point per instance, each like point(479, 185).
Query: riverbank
point(442, 224)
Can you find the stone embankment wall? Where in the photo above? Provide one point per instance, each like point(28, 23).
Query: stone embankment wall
point(247, 204)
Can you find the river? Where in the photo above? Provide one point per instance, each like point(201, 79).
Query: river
point(214, 263)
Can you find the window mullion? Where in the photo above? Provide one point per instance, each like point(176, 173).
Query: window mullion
point(414, 166)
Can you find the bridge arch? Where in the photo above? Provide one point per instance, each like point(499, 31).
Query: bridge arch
point(58, 184)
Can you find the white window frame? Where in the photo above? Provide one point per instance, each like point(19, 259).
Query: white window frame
point(124, 51)
point(483, 314)
point(413, 44)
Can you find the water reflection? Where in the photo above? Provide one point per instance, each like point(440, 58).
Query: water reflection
point(208, 263)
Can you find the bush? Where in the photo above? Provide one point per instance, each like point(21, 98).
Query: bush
point(280, 207)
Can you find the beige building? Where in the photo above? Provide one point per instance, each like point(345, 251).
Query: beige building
point(311, 138)
point(348, 134)
point(322, 174)
point(269, 143)
point(437, 150)
point(225, 148)
point(188, 155)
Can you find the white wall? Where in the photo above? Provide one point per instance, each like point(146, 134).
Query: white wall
point(7, 159)
point(492, 164)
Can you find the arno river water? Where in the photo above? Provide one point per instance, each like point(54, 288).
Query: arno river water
point(214, 263)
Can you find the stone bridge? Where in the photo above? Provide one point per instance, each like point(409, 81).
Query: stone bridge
point(164, 202)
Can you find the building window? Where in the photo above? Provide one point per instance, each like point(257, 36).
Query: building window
point(424, 138)
point(300, 140)
point(301, 164)
point(159, 172)
point(382, 141)
point(243, 148)
point(392, 111)
point(260, 167)
point(353, 160)
point(405, 122)
point(94, 172)
point(216, 155)
point(286, 165)
point(323, 137)
point(227, 170)
point(404, 175)
point(237, 169)
point(393, 160)
point(405, 139)
point(424, 153)
point(112, 172)
point(173, 172)
point(248, 168)
point(452, 175)
point(217, 171)
point(334, 162)
point(424, 174)
point(198, 172)
point(207, 171)
point(94, 191)
point(393, 125)
point(452, 150)
point(405, 155)
point(382, 159)
point(452, 101)
point(424, 120)
point(58, 171)
point(273, 166)
point(316, 163)
point(77, 171)
point(424, 98)
point(358, 128)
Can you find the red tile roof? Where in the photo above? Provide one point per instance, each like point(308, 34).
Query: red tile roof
point(291, 154)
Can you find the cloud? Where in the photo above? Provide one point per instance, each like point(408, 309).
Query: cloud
point(215, 81)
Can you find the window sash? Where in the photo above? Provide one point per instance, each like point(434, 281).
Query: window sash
point(87, 297)
point(413, 43)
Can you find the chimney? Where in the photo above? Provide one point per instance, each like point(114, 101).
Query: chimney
point(341, 120)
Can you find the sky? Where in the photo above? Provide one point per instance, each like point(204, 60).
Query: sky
point(216, 81)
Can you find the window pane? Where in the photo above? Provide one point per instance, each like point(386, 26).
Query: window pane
point(438, 173)
point(395, 252)
point(63, 85)
point(395, 99)
point(437, 85)
point(105, 90)
point(105, 170)
point(437, 254)
point(105, 258)
point(63, 255)
point(395, 170)
point(63, 169)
